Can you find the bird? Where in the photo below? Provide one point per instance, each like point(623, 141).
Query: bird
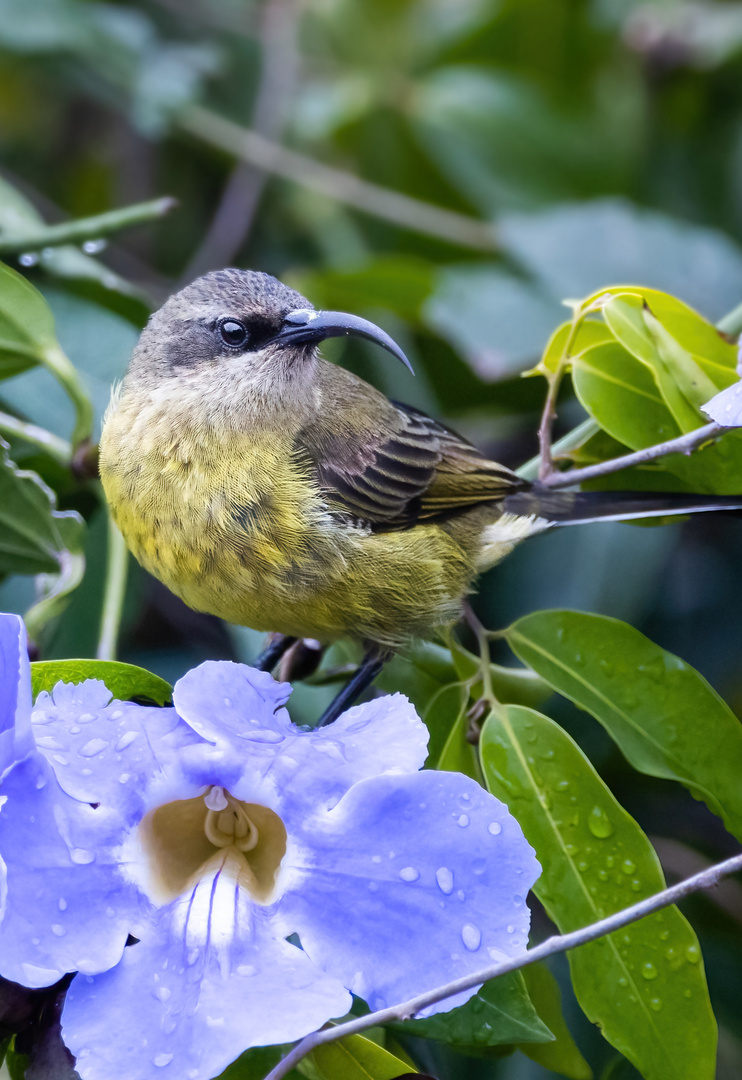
point(266, 485)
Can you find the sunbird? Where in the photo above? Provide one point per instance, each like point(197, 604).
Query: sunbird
point(268, 486)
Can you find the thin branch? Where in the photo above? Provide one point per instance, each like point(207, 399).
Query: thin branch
point(684, 444)
point(235, 214)
point(381, 202)
point(53, 445)
point(77, 231)
point(554, 945)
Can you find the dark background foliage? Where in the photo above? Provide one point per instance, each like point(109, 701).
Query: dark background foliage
point(574, 143)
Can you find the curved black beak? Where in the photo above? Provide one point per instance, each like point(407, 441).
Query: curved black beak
point(306, 325)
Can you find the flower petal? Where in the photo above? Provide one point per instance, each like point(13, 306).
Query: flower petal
point(208, 979)
point(726, 407)
point(15, 692)
point(66, 906)
point(114, 753)
point(308, 771)
point(411, 881)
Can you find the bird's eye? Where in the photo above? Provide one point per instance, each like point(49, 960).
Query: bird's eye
point(233, 333)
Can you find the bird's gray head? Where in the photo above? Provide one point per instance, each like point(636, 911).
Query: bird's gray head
point(242, 322)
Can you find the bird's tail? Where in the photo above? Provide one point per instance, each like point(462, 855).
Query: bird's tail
point(581, 507)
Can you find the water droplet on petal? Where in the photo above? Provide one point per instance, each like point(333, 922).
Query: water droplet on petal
point(463, 821)
point(162, 1060)
point(115, 715)
point(127, 739)
point(93, 747)
point(246, 970)
point(86, 718)
point(471, 936)
point(57, 930)
point(81, 856)
point(444, 877)
point(264, 735)
point(162, 993)
point(495, 828)
point(28, 258)
point(61, 760)
point(409, 873)
point(376, 858)
point(62, 904)
point(124, 778)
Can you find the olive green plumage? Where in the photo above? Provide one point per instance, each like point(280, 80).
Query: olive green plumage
point(265, 485)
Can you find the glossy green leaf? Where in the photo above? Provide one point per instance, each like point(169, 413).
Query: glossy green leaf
point(644, 985)
point(459, 753)
point(125, 681)
point(589, 333)
point(34, 536)
point(54, 590)
point(662, 713)
point(684, 386)
point(255, 1064)
point(620, 394)
point(561, 1055)
point(26, 324)
point(501, 1012)
point(713, 350)
point(426, 675)
point(356, 1058)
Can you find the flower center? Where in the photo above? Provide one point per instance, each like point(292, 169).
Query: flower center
point(183, 841)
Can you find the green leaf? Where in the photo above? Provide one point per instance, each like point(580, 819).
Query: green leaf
point(26, 325)
point(501, 1012)
point(662, 714)
point(55, 589)
point(356, 1058)
point(644, 985)
point(35, 538)
point(255, 1064)
point(589, 333)
point(682, 383)
point(619, 392)
point(125, 681)
point(561, 1055)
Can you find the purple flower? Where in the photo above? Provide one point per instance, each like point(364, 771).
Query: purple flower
point(214, 830)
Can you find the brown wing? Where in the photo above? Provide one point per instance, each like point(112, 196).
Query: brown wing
point(413, 469)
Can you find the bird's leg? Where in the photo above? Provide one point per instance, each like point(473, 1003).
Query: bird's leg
point(370, 667)
point(272, 653)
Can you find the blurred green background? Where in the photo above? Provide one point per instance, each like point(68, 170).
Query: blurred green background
point(451, 169)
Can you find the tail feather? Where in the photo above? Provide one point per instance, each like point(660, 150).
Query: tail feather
point(582, 507)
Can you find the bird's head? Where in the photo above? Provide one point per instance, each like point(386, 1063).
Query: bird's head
point(245, 331)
